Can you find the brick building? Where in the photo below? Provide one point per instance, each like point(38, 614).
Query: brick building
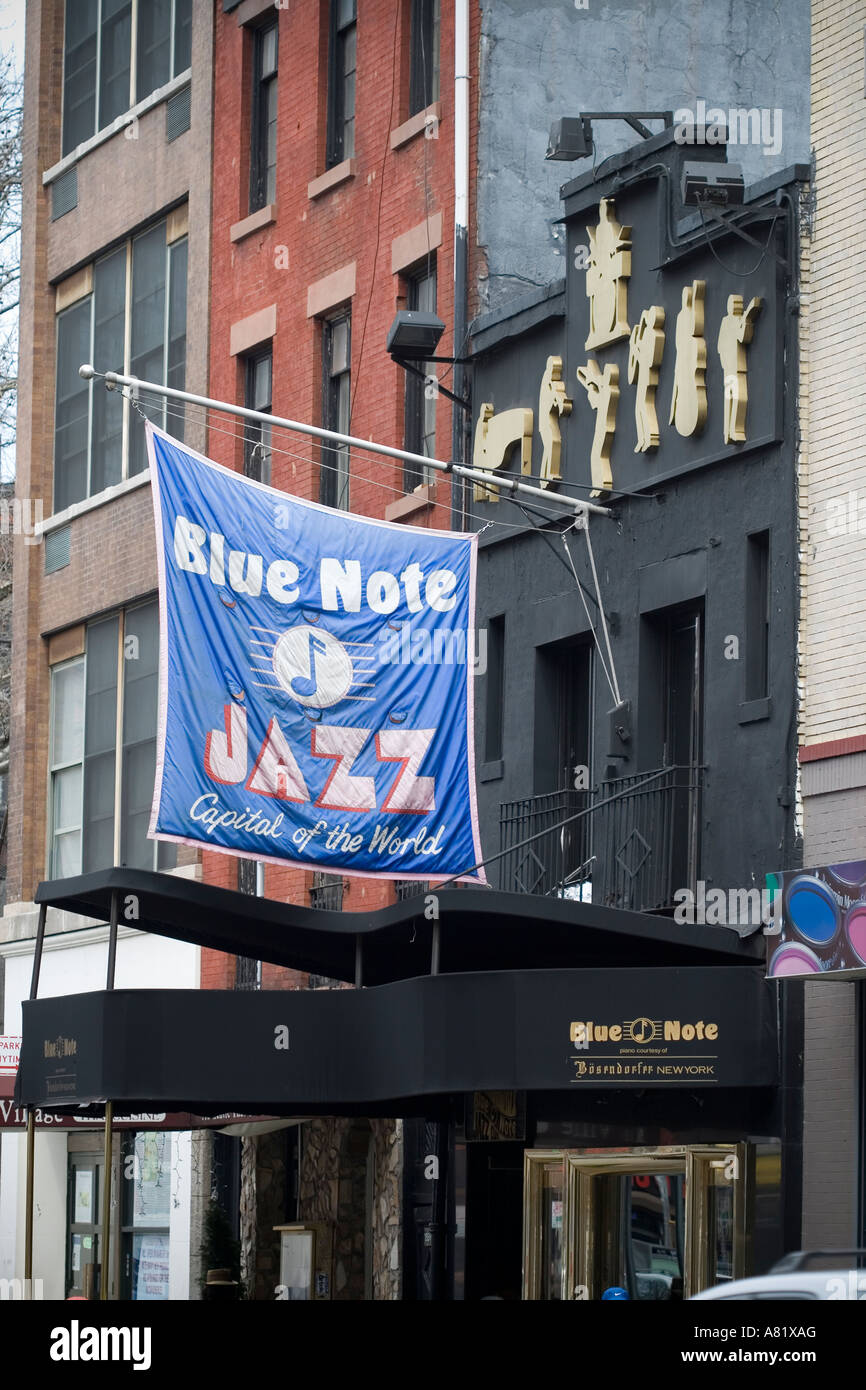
point(334, 209)
point(115, 244)
point(832, 730)
point(287, 171)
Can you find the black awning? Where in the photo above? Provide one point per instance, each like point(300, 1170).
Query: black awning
point(480, 929)
point(397, 1047)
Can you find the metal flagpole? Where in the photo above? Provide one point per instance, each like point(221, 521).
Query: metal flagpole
point(31, 1119)
point(109, 1114)
point(478, 475)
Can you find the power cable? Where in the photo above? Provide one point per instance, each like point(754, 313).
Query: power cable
point(729, 270)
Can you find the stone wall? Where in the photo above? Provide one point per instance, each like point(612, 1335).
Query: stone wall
point(351, 1177)
point(387, 1208)
point(270, 1210)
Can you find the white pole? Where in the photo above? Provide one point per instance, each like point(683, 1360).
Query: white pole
point(459, 434)
point(486, 476)
point(461, 116)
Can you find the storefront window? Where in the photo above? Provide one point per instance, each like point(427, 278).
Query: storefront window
point(146, 1207)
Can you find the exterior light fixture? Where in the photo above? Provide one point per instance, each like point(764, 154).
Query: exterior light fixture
point(571, 136)
point(414, 334)
point(414, 337)
point(715, 184)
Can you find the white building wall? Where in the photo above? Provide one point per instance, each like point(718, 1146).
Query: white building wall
point(74, 963)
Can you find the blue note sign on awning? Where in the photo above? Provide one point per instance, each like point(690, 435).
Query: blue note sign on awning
point(315, 679)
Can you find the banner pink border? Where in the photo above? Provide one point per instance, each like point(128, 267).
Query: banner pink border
point(479, 878)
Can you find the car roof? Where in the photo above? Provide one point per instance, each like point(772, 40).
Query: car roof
point(826, 1283)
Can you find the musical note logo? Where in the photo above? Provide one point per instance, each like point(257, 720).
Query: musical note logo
point(304, 686)
point(313, 667)
point(642, 1030)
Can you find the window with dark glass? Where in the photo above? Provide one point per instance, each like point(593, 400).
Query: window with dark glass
point(341, 81)
point(421, 396)
point(257, 434)
point(100, 81)
point(336, 397)
point(424, 55)
point(263, 127)
point(326, 892)
point(103, 748)
point(115, 32)
point(79, 72)
point(149, 342)
point(163, 43)
point(758, 616)
point(495, 689)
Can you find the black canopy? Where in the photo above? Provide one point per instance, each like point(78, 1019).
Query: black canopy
point(479, 929)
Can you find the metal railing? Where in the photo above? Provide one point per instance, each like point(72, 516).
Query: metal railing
point(634, 843)
point(327, 892)
point(248, 973)
point(409, 888)
point(557, 856)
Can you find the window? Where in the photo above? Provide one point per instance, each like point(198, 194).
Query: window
point(406, 888)
point(263, 128)
point(147, 340)
point(495, 691)
point(758, 616)
point(103, 749)
point(424, 55)
point(327, 892)
point(341, 81)
point(145, 1213)
point(421, 396)
point(99, 81)
point(336, 398)
point(248, 970)
point(257, 436)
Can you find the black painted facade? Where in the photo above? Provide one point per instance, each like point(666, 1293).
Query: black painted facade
point(675, 549)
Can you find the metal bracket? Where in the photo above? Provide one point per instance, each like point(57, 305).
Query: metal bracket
point(464, 402)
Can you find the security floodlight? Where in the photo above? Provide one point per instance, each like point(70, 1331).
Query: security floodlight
point(570, 138)
point(717, 185)
point(412, 338)
point(414, 334)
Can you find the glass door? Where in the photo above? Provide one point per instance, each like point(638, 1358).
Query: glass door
point(661, 1223)
point(83, 1252)
point(544, 1212)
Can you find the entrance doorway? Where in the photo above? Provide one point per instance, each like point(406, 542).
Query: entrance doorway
point(86, 1173)
point(662, 1223)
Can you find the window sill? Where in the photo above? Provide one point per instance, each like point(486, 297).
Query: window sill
point(753, 710)
point(491, 772)
point(91, 504)
point(103, 136)
point(263, 217)
point(430, 116)
point(413, 503)
point(331, 178)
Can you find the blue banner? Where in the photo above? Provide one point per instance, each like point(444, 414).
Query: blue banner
point(315, 679)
